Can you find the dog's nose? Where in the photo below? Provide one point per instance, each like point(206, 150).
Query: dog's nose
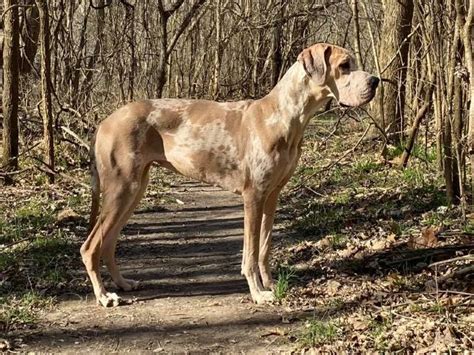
point(374, 82)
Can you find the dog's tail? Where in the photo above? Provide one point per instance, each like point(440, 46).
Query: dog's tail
point(95, 183)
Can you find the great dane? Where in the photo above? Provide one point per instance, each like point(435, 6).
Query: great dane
point(249, 147)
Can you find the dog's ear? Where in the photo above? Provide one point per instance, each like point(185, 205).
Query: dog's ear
point(315, 60)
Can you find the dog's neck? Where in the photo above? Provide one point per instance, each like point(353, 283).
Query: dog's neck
point(296, 99)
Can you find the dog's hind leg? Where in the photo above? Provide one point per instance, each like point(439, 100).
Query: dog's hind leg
point(122, 189)
point(110, 243)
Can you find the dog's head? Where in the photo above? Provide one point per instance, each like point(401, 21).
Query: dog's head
point(334, 67)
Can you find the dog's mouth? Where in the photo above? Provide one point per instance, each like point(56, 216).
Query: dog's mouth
point(362, 100)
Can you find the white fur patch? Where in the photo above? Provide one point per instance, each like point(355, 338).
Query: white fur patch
point(260, 163)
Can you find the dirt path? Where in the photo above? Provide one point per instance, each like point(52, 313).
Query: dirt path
point(192, 296)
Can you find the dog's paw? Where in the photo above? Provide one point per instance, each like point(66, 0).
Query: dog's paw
point(264, 297)
point(128, 285)
point(109, 300)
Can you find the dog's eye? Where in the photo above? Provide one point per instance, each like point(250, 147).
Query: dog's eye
point(345, 66)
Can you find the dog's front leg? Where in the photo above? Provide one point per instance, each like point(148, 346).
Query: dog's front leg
point(253, 207)
point(266, 238)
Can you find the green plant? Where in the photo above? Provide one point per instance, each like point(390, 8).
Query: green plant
point(413, 176)
point(469, 228)
point(378, 329)
point(336, 303)
point(337, 174)
point(22, 310)
point(433, 219)
point(6, 260)
point(75, 201)
point(365, 166)
point(437, 308)
point(286, 276)
point(342, 198)
point(394, 151)
point(338, 241)
point(31, 217)
point(317, 332)
point(428, 155)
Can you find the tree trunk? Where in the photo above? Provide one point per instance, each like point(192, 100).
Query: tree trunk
point(10, 87)
point(130, 22)
point(29, 37)
point(355, 17)
point(415, 127)
point(46, 89)
point(163, 61)
point(393, 53)
point(468, 41)
point(277, 60)
point(218, 50)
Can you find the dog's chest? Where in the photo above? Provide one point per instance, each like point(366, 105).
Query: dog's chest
point(270, 163)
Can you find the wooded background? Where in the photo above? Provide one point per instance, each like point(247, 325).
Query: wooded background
point(69, 63)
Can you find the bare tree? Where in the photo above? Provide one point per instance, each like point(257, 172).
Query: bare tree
point(10, 87)
point(29, 26)
point(392, 54)
point(46, 89)
point(468, 40)
point(168, 45)
point(105, 52)
point(355, 19)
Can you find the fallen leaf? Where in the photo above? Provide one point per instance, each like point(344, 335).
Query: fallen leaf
point(277, 331)
point(67, 215)
point(391, 238)
point(379, 245)
point(4, 345)
point(332, 287)
point(348, 252)
point(325, 242)
point(358, 323)
point(426, 239)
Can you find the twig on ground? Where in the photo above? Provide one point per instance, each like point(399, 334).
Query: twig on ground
point(468, 294)
point(468, 257)
point(9, 245)
point(15, 172)
point(349, 151)
point(455, 273)
point(47, 169)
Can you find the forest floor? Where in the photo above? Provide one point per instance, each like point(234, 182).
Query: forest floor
point(356, 242)
point(191, 296)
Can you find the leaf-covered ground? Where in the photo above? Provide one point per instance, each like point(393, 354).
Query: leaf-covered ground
point(378, 260)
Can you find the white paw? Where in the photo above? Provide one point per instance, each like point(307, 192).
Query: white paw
point(263, 297)
point(128, 284)
point(109, 300)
